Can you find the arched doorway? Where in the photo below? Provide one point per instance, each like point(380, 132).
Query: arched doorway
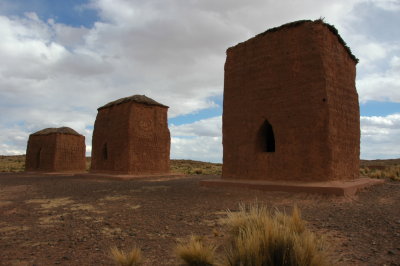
point(105, 152)
point(266, 137)
point(38, 157)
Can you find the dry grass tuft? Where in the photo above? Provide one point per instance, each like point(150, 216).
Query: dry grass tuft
point(131, 258)
point(14, 163)
point(392, 172)
point(260, 237)
point(190, 167)
point(195, 253)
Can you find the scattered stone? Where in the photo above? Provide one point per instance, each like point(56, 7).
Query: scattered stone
point(391, 252)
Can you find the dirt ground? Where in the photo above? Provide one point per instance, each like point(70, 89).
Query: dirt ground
point(65, 220)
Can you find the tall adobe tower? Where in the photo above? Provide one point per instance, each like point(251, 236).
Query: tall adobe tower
point(56, 150)
point(131, 136)
point(291, 109)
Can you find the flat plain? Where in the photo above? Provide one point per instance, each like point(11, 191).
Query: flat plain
point(69, 220)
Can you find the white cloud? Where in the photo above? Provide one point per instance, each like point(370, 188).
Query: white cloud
point(372, 51)
point(173, 51)
point(395, 63)
point(378, 72)
point(380, 137)
point(381, 85)
point(390, 5)
point(12, 140)
point(211, 127)
point(201, 140)
point(206, 149)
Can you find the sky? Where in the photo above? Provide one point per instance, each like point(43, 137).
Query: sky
point(62, 59)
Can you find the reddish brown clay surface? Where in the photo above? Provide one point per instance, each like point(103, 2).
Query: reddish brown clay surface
point(56, 150)
point(291, 107)
point(64, 220)
point(338, 188)
point(131, 136)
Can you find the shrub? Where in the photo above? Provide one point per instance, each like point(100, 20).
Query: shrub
point(391, 172)
point(121, 258)
point(260, 237)
point(194, 253)
point(190, 167)
point(198, 171)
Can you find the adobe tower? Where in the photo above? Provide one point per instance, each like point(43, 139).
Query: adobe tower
point(290, 110)
point(131, 136)
point(56, 150)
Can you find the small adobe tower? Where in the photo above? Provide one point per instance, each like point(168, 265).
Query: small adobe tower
point(56, 150)
point(131, 136)
point(291, 109)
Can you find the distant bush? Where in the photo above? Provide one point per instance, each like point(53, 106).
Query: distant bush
point(190, 167)
point(198, 171)
point(14, 163)
point(122, 258)
point(392, 172)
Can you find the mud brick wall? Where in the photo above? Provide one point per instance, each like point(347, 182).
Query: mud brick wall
point(40, 153)
point(110, 141)
point(55, 152)
point(131, 138)
point(70, 153)
point(151, 146)
point(300, 80)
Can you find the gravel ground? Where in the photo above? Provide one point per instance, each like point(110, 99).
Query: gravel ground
point(65, 220)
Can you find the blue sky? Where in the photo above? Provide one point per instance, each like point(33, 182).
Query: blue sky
point(70, 12)
point(62, 59)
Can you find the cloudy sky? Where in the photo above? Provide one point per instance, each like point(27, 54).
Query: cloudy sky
point(60, 60)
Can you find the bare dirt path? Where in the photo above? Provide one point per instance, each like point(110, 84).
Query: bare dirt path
point(61, 220)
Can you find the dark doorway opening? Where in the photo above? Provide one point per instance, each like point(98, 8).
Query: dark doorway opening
point(267, 137)
point(105, 152)
point(38, 155)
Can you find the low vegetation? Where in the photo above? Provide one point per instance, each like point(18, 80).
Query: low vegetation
point(263, 237)
point(190, 167)
point(390, 172)
point(122, 258)
point(12, 163)
point(88, 163)
point(195, 252)
point(258, 236)
point(389, 169)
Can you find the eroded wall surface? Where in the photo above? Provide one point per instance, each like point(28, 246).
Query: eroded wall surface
point(70, 153)
point(40, 153)
point(131, 138)
point(301, 80)
point(55, 152)
point(111, 141)
point(150, 149)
